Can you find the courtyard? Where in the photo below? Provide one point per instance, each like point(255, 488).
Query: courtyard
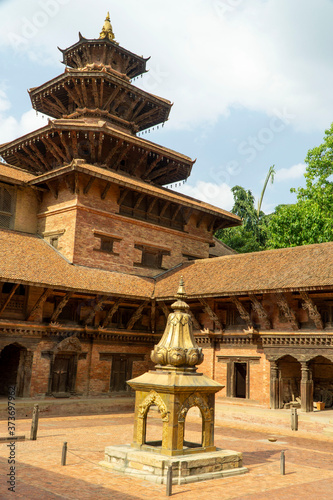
point(39, 474)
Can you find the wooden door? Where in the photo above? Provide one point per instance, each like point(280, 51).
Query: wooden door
point(61, 374)
point(120, 373)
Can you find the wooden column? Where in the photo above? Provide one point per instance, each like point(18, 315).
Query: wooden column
point(306, 387)
point(274, 386)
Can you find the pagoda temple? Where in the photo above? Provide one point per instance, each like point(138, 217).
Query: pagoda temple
point(93, 244)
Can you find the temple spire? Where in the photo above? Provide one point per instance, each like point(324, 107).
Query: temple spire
point(107, 31)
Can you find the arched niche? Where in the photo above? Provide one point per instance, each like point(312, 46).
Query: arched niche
point(153, 398)
point(15, 369)
point(207, 438)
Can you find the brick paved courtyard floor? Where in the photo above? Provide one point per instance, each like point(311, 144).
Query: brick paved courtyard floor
point(39, 474)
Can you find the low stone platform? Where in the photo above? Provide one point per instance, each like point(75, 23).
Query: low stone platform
point(186, 468)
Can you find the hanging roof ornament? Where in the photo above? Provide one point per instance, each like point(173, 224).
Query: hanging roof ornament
point(107, 31)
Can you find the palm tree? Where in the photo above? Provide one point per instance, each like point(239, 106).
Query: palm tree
point(270, 175)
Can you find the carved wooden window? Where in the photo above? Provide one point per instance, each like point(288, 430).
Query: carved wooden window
point(151, 257)
point(7, 199)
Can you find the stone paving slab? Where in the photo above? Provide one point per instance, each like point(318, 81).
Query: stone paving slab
point(39, 474)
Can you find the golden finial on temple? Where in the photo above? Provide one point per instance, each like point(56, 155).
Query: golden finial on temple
point(181, 289)
point(107, 31)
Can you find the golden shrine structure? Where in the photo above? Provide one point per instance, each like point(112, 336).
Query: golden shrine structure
point(175, 387)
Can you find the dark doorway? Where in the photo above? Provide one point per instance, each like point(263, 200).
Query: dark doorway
point(63, 374)
point(14, 370)
point(120, 372)
point(240, 380)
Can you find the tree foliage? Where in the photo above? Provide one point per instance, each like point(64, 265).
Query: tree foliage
point(252, 235)
point(310, 219)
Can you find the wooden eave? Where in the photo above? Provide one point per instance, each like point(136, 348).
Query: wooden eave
point(244, 294)
point(142, 187)
point(182, 163)
point(159, 111)
point(141, 61)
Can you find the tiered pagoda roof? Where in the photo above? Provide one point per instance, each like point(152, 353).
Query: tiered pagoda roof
point(97, 114)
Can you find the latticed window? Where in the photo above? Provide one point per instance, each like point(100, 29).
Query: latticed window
point(6, 206)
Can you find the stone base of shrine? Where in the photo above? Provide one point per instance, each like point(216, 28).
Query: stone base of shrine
point(185, 469)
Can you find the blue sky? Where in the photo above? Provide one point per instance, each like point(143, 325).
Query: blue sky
point(250, 80)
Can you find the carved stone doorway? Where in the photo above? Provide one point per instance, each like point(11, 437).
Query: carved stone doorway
point(15, 370)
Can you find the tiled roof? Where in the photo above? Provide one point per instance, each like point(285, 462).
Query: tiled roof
point(220, 249)
point(305, 267)
point(28, 259)
point(137, 184)
point(14, 175)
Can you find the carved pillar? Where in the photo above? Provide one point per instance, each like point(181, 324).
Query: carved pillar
point(306, 387)
point(274, 386)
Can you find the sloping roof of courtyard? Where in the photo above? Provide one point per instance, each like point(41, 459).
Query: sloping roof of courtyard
point(28, 259)
point(307, 267)
point(14, 175)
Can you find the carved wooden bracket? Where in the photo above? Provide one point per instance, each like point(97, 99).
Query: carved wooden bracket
point(9, 298)
point(60, 307)
point(165, 309)
point(262, 314)
point(111, 313)
point(153, 316)
point(98, 307)
point(137, 315)
point(212, 315)
point(314, 314)
point(242, 311)
point(286, 310)
point(195, 322)
point(37, 311)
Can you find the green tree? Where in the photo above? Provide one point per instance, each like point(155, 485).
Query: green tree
point(310, 219)
point(252, 235)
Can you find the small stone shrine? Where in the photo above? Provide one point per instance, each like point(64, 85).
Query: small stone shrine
point(174, 387)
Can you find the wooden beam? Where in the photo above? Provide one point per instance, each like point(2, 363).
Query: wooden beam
point(39, 156)
point(54, 190)
point(122, 196)
point(314, 314)
point(164, 308)
point(60, 307)
point(65, 146)
point(286, 310)
point(165, 207)
point(151, 206)
point(122, 156)
point(176, 212)
point(138, 201)
point(151, 167)
point(105, 190)
point(139, 109)
point(113, 152)
point(212, 315)
point(70, 185)
point(9, 298)
point(37, 310)
point(136, 316)
point(111, 313)
point(88, 186)
point(74, 143)
point(261, 312)
point(153, 316)
point(195, 322)
point(136, 166)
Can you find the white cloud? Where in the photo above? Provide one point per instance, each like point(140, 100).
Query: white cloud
point(294, 172)
point(11, 128)
point(207, 55)
point(219, 195)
